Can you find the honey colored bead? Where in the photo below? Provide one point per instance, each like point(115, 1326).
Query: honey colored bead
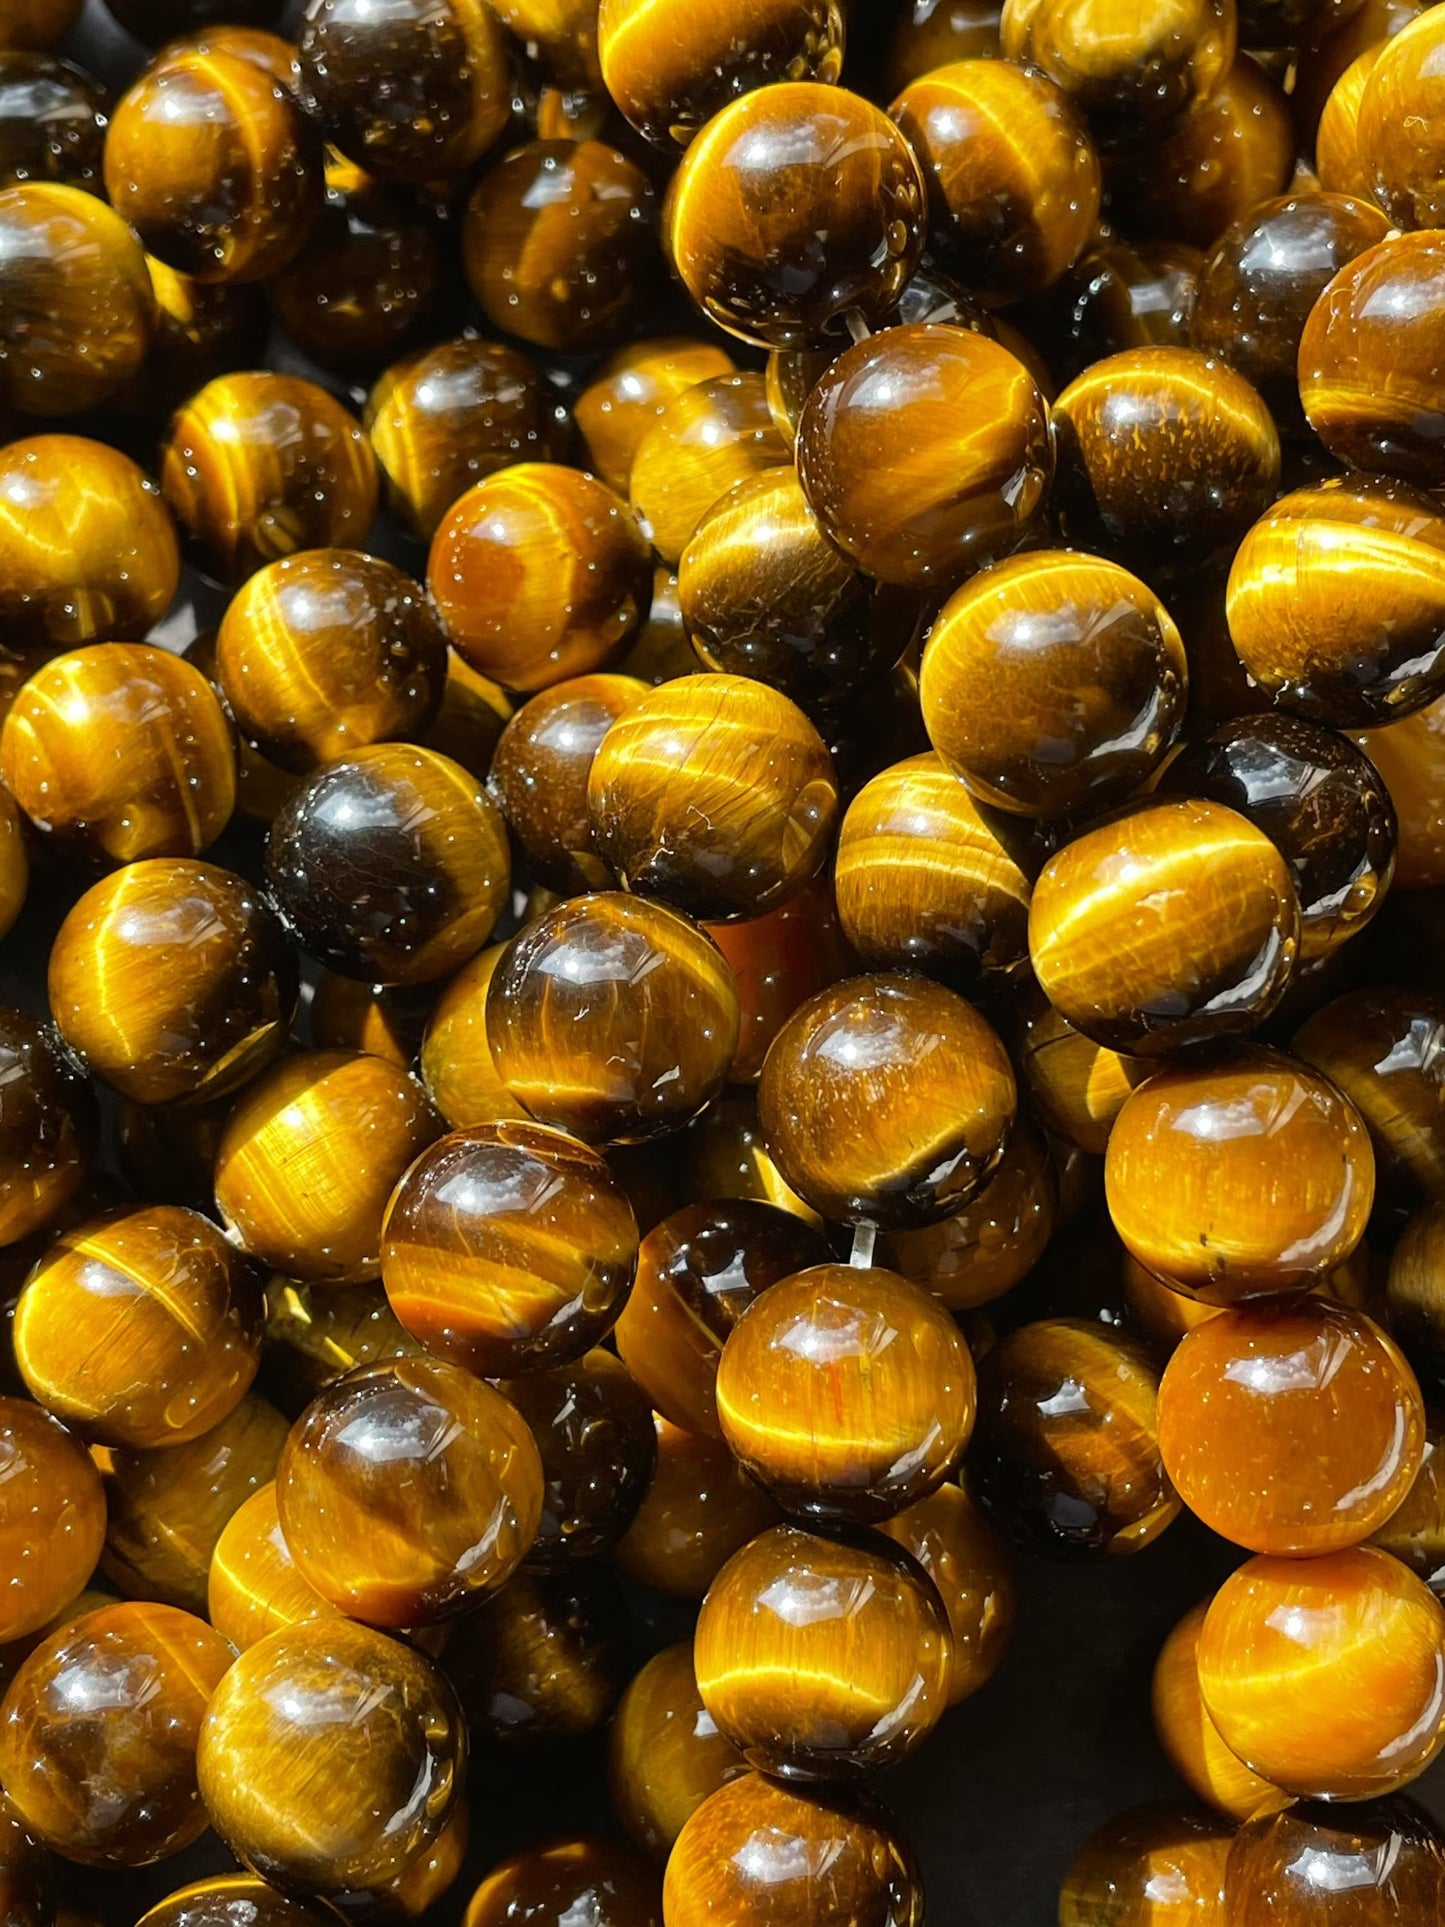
point(1190, 1738)
point(1154, 1866)
point(962, 1555)
point(172, 979)
point(1138, 70)
point(560, 244)
point(540, 574)
point(1325, 54)
point(75, 300)
point(697, 1273)
point(1053, 684)
point(508, 1248)
point(795, 205)
point(848, 1394)
point(1327, 1675)
point(1165, 458)
point(315, 1334)
point(712, 436)
point(311, 1154)
point(636, 1001)
point(201, 330)
point(714, 793)
point(1291, 1429)
point(98, 1734)
point(411, 1894)
point(1337, 145)
point(700, 1509)
point(142, 1328)
point(665, 1754)
point(48, 1128)
point(52, 1517)
point(587, 1879)
point(634, 386)
point(1385, 1049)
point(38, 23)
point(1157, 1312)
point(1369, 374)
point(542, 1660)
point(1415, 1294)
point(14, 864)
point(259, 465)
point(407, 1490)
point(268, 1753)
point(925, 1069)
point(254, 1586)
point(1078, 1086)
point(375, 1018)
point(52, 122)
point(594, 1430)
point(167, 1509)
point(1318, 1864)
point(120, 751)
point(1410, 757)
point(914, 483)
point(391, 866)
point(456, 1058)
point(779, 961)
point(1415, 1530)
point(1066, 1449)
point(416, 93)
point(1013, 179)
point(1399, 145)
point(984, 1250)
point(1140, 964)
point(233, 1900)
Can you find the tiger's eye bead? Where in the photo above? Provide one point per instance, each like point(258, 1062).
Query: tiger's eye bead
point(14, 863)
point(120, 751)
point(1327, 1675)
point(508, 1248)
point(963, 1556)
point(1191, 1739)
point(142, 1328)
point(1325, 55)
point(848, 1394)
point(1415, 1530)
point(712, 436)
point(925, 1069)
point(1013, 179)
point(974, 480)
point(376, 1018)
point(665, 1753)
point(779, 961)
point(314, 1334)
point(48, 1128)
point(52, 1517)
point(254, 1585)
point(594, 1430)
point(714, 793)
point(75, 300)
point(584, 1879)
point(1415, 1294)
point(633, 388)
point(408, 1490)
point(637, 1002)
point(540, 573)
point(310, 1156)
point(258, 465)
point(561, 35)
point(1165, 458)
point(52, 122)
point(796, 205)
point(456, 1058)
point(700, 1509)
point(1066, 1450)
point(1385, 1049)
point(544, 1659)
point(1317, 1864)
point(697, 1273)
point(1155, 1863)
point(98, 1734)
point(38, 23)
point(984, 1250)
point(415, 92)
point(935, 33)
point(172, 979)
point(1337, 149)
point(87, 551)
point(1124, 72)
point(1120, 295)
point(234, 1900)
point(1077, 1086)
point(1399, 143)
point(1410, 757)
point(560, 244)
point(267, 1756)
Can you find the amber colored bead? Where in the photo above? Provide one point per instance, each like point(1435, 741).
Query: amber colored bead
point(258, 465)
point(1190, 1738)
point(1399, 145)
point(52, 121)
point(1410, 757)
point(545, 1659)
point(722, 1155)
point(915, 483)
point(700, 1509)
point(935, 33)
point(984, 1250)
point(314, 1334)
point(633, 388)
point(1053, 684)
point(559, 244)
point(267, 1758)
point(847, 1393)
point(98, 1734)
point(1124, 73)
point(120, 751)
point(234, 1900)
point(474, 712)
point(52, 1517)
point(1077, 1086)
point(456, 1059)
point(254, 1586)
point(970, 1570)
point(1337, 152)
point(48, 1128)
point(1415, 1530)
point(665, 1754)
point(818, 1657)
point(1066, 1449)
point(1154, 1866)
point(1157, 1312)
point(594, 1430)
point(415, 93)
point(1324, 56)
point(779, 961)
point(582, 1879)
point(1327, 1675)
point(75, 300)
point(38, 23)
point(87, 551)
point(1317, 1865)
point(508, 1248)
point(639, 1004)
point(710, 437)
point(380, 1019)
point(1385, 1049)
point(14, 864)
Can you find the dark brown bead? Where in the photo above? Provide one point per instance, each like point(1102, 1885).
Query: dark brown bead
point(314, 1334)
point(592, 1880)
point(1148, 1851)
point(52, 121)
point(545, 1659)
point(1119, 295)
point(157, 21)
point(1385, 1049)
point(935, 33)
point(593, 1428)
point(1318, 1864)
point(1125, 72)
point(382, 1020)
point(665, 1754)
point(27, 1884)
point(983, 1250)
point(201, 330)
point(48, 1127)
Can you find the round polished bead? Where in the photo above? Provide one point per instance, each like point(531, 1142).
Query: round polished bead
point(984, 1250)
point(1415, 1531)
point(586, 1879)
point(1120, 295)
point(52, 121)
point(254, 1586)
point(1338, 163)
point(935, 33)
point(594, 1430)
point(970, 1570)
point(665, 1754)
point(315, 1334)
point(1385, 1049)
point(233, 1900)
point(1410, 757)
point(714, 435)
point(52, 1518)
point(1077, 1086)
point(1154, 1860)
point(456, 1058)
point(1124, 72)
point(1320, 1863)
point(542, 1660)
point(631, 389)
point(700, 1509)
point(48, 1128)
point(1191, 1739)
point(1399, 142)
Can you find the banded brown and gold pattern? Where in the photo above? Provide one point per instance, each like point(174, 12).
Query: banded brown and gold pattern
point(1158, 1859)
point(714, 793)
point(508, 1248)
point(456, 1058)
point(1385, 1049)
point(48, 1128)
point(631, 389)
point(121, 751)
point(228, 1899)
point(14, 864)
point(254, 1586)
point(51, 1488)
point(700, 1509)
point(1410, 757)
point(1190, 1737)
point(971, 1572)
point(1398, 133)
point(172, 979)
point(311, 1153)
point(1338, 162)
point(314, 1334)
point(712, 436)
point(1129, 69)
point(664, 1753)
point(1078, 1086)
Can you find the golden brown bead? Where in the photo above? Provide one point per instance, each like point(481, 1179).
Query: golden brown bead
point(267, 1759)
point(1191, 1739)
point(1337, 148)
point(779, 961)
point(632, 389)
point(963, 1556)
point(1399, 144)
point(665, 1754)
point(984, 1250)
point(310, 1156)
point(1410, 757)
point(52, 1517)
point(1325, 55)
point(1151, 1867)
point(594, 1430)
point(456, 1058)
point(1077, 1085)
point(1382, 1862)
point(1142, 68)
point(543, 1659)
point(48, 1129)
point(52, 121)
point(713, 435)
point(314, 1334)
point(1415, 1530)
point(1415, 1294)
point(1385, 1049)
point(258, 465)
point(1119, 294)
point(722, 1155)
point(474, 712)
point(233, 1900)
point(590, 1879)
point(380, 1019)
point(254, 1586)
point(700, 1509)
point(98, 1734)
point(14, 863)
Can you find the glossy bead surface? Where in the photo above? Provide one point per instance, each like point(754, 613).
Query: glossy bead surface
point(973, 484)
point(1077, 1086)
point(712, 436)
point(1410, 757)
point(1383, 1049)
point(1191, 1739)
point(594, 1430)
point(98, 1734)
point(635, 999)
point(1415, 1294)
point(268, 1749)
point(233, 1900)
point(48, 1128)
point(456, 1058)
point(982, 1251)
point(1318, 1864)
point(1399, 148)
point(700, 1509)
point(254, 1586)
point(1157, 1865)
point(1327, 1675)
point(819, 1658)
point(1138, 70)
point(632, 388)
point(585, 1879)
point(52, 121)
point(1337, 146)
point(779, 961)
point(314, 1334)
point(665, 1754)
point(172, 979)
point(970, 1570)
point(52, 1517)
point(542, 1660)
